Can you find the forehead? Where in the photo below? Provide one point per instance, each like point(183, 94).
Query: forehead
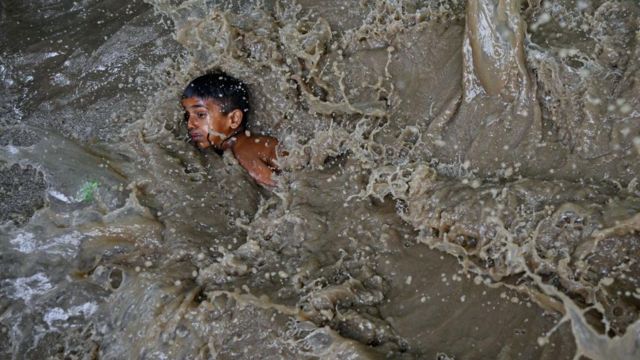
point(195, 103)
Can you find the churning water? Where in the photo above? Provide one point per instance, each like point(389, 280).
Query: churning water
point(462, 181)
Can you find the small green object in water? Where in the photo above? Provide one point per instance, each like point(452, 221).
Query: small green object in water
point(87, 190)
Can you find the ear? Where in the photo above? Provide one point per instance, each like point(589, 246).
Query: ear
point(235, 118)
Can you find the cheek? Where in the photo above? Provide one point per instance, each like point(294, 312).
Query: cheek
point(215, 125)
point(206, 123)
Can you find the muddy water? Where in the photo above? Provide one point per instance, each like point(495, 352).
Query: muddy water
point(461, 181)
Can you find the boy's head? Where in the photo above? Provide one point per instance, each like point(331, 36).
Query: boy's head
point(216, 108)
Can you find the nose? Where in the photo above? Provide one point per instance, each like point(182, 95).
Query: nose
point(191, 123)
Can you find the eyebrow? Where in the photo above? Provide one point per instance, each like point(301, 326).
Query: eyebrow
point(198, 106)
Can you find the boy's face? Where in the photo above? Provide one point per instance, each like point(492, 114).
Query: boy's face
point(206, 123)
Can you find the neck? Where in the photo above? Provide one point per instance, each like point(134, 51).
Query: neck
point(230, 141)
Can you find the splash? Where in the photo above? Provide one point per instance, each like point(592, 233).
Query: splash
point(414, 130)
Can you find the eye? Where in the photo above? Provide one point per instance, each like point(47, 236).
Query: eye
point(202, 115)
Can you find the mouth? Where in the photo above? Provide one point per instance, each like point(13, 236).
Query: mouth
point(195, 136)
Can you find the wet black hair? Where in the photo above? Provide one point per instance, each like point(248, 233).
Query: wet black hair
point(228, 92)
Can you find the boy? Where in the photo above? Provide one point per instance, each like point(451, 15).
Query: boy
point(216, 111)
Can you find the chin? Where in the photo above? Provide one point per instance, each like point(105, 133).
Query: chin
point(206, 145)
point(201, 145)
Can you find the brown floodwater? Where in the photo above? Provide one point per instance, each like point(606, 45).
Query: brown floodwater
point(462, 181)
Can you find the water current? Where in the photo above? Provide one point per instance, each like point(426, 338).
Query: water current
point(462, 181)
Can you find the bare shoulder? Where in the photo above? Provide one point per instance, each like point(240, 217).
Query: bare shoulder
point(257, 140)
point(257, 155)
point(264, 140)
point(258, 146)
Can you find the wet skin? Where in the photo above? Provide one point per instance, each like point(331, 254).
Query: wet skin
point(208, 127)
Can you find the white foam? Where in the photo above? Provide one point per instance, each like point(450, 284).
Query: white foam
point(25, 243)
point(59, 314)
point(12, 149)
point(66, 244)
point(28, 287)
point(54, 315)
point(60, 196)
